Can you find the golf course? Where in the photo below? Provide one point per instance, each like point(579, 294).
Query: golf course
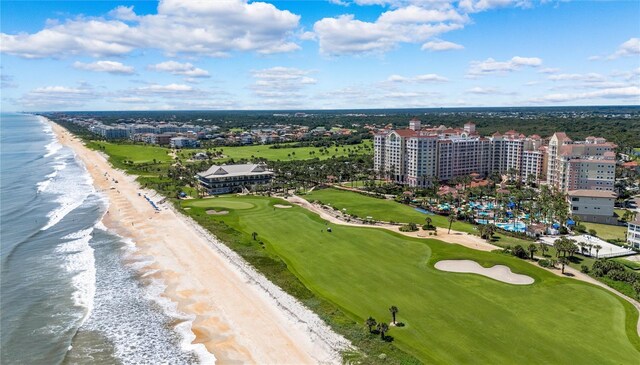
point(450, 318)
point(380, 209)
point(285, 153)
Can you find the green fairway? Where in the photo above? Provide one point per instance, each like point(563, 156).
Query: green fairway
point(285, 153)
point(450, 318)
point(606, 231)
point(231, 204)
point(380, 209)
point(134, 152)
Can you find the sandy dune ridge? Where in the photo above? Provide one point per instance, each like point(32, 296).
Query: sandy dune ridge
point(238, 315)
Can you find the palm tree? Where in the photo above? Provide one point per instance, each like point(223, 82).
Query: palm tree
point(451, 219)
point(563, 261)
point(532, 249)
point(382, 328)
point(559, 246)
point(543, 248)
point(370, 322)
point(428, 222)
point(597, 248)
point(393, 309)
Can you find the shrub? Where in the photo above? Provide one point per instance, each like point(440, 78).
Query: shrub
point(411, 227)
point(519, 252)
point(584, 269)
point(544, 263)
point(580, 228)
point(593, 232)
point(429, 227)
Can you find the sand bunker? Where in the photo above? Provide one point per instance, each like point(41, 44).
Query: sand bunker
point(217, 212)
point(497, 272)
point(281, 206)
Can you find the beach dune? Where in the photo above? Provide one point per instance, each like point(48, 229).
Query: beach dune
point(239, 316)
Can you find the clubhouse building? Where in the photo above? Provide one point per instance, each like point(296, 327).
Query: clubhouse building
point(225, 179)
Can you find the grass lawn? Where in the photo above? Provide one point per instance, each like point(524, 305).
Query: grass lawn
point(359, 183)
point(450, 318)
point(605, 231)
point(380, 209)
point(283, 154)
point(133, 152)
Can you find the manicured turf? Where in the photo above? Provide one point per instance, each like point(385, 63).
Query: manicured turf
point(380, 209)
point(283, 154)
point(231, 204)
point(135, 153)
point(605, 231)
point(450, 318)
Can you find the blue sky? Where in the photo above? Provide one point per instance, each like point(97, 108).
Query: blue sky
point(234, 54)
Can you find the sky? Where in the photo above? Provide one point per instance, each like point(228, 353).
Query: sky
point(315, 54)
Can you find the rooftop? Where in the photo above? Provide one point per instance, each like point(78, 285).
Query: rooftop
point(235, 170)
point(593, 193)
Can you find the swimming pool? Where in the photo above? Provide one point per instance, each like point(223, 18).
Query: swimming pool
point(424, 211)
point(512, 227)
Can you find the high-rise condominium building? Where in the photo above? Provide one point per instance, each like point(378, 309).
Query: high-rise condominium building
point(416, 156)
point(581, 165)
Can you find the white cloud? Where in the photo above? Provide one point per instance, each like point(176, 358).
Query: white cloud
point(123, 13)
point(281, 82)
point(177, 68)
point(170, 88)
point(58, 97)
point(482, 90)
point(628, 48)
point(441, 46)
point(131, 99)
point(589, 77)
point(6, 82)
point(426, 78)
point(474, 6)
point(412, 24)
point(631, 93)
point(111, 67)
point(414, 15)
point(222, 27)
point(491, 66)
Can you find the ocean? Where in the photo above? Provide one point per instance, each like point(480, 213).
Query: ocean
point(71, 292)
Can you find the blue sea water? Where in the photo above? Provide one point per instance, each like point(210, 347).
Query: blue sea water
point(70, 291)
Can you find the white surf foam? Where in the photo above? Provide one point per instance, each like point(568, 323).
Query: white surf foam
point(71, 187)
point(154, 291)
point(42, 185)
point(52, 148)
point(79, 260)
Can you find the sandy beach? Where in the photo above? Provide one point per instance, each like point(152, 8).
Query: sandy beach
point(239, 316)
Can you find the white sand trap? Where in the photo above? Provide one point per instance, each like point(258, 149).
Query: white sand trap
point(281, 206)
point(497, 272)
point(217, 212)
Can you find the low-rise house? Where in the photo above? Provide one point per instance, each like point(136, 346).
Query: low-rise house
point(234, 178)
point(593, 205)
point(183, 142)
point(633, 234)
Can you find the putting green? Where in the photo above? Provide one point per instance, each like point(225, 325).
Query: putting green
point(449, 318)
point(220, 203)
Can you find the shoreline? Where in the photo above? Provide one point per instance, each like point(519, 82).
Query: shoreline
point(238, 315)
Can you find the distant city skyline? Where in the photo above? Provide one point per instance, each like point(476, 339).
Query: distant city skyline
point(233, 54)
